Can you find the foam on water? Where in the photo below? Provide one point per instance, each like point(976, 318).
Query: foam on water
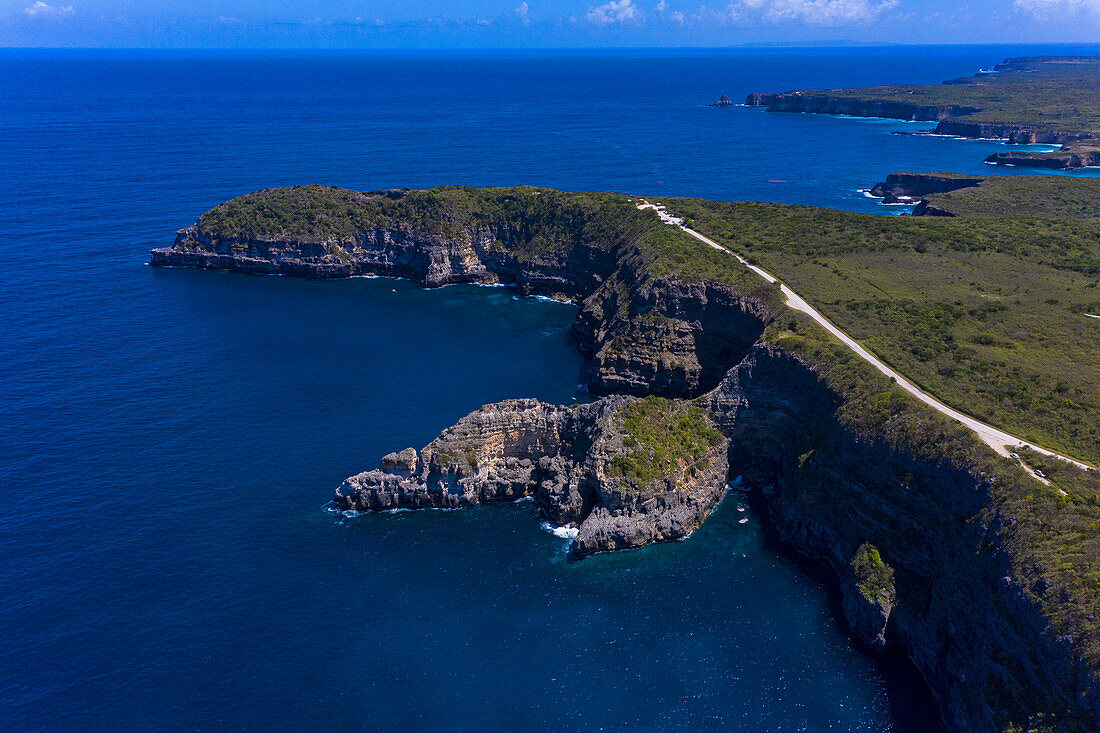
point(566, 533)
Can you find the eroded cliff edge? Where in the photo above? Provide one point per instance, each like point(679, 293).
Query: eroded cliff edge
point(939, 546)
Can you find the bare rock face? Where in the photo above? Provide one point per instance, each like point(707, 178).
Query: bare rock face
point(671, 338)
point(563, 457)
point(1014, 134)
point(912, 187)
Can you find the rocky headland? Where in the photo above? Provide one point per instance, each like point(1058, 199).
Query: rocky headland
point(935, 541)
point(957, 194)
point(811, 103)
point(912, 188)
point(585, 466)
point(997, 106)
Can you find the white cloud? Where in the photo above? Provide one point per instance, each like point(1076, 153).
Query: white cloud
point(521, 13)
point(1047, 9)
point(615, 11)
point(825, 12)
point(728, 16)
point(42, 10)
point(673, 16)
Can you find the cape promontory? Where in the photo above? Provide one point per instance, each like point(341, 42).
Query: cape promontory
point(984, 576)
point(1002, 104)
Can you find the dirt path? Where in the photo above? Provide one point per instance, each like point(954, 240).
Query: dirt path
point(1000, 441)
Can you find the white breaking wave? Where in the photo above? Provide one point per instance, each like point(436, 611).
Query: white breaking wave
point(547, 299)
point(566, 533)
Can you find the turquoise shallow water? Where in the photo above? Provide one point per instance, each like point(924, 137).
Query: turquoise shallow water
point(168, 438)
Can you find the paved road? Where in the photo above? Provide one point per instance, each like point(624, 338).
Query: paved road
point(997, 439)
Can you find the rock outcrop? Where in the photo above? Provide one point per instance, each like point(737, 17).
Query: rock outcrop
point(564, 458)
point(911, 187)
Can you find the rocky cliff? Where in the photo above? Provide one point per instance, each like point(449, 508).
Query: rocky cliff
point(943, 587)
point(931, 537)
point(574, 461)
point(475, 256)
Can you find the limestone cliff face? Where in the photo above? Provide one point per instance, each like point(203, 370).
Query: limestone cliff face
point(911, 188)
point(944, 115)
point(824, 104)
point(1073, 155)
point(645, 336)
point(955, 604)
point(563, 457)
point(478, 255)
point(1014, 133)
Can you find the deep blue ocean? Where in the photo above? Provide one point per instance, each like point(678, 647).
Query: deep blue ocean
point(169, 438)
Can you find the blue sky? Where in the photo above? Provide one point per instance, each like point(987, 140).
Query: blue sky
point(537, 23)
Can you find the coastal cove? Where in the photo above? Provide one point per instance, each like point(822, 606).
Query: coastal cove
point(377, 597)
point(172, 437)
point(922, 524)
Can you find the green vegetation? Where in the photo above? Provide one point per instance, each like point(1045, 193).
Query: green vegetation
point(1054, 539)
point(1066, 535)
point(1054, 92)
point(874, 577)
point(987, 313)
point(1024, 196)
point(301, 213)
point(664, 438)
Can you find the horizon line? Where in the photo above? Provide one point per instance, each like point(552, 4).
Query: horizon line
point(754, 46)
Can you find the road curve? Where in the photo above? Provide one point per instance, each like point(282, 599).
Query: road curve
point(995, 438)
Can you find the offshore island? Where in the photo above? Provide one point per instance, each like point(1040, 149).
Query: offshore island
point(980, 560)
